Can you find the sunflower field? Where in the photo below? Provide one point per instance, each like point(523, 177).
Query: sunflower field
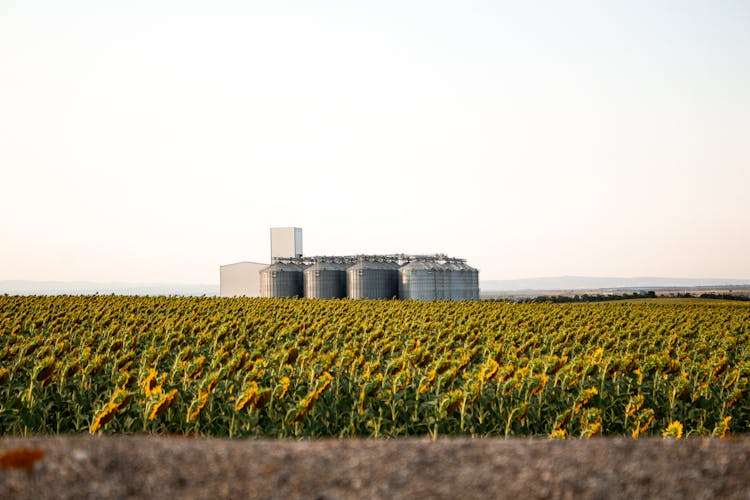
point(314, 368)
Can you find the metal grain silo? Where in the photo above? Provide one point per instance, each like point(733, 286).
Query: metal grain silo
point(444, 280)
point(466, 282)
point(418, 281)
point(281, 279)
point(461, 281)
point(325, 280)
point(452, 281)
point(472, 290)
point(369, 279)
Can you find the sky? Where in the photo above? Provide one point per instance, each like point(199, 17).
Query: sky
point(152, 141)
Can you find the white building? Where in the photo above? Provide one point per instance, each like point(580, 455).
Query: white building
point(242, 279)
point(286, 242)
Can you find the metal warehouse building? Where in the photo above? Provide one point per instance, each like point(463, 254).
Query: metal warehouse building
point(402, 276)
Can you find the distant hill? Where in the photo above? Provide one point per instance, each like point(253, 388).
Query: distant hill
point(589, 283)
point(20, 287)
point(17, 287)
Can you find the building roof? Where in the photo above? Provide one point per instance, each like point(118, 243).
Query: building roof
point(245, 262)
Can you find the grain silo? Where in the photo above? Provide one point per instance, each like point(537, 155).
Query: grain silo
point(466, 282)
point(452, 280)
point(422, 277)
point(473, 283)
point(442, 281)
point(325, 280)
point(372, 279)
point(281, 279)
point(418, 280)
point(461, 282)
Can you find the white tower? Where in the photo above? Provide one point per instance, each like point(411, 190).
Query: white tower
point(286, 242)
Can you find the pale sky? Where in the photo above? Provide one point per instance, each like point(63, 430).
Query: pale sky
point(152, 141)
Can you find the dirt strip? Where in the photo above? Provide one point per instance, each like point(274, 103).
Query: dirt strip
point(177, 467)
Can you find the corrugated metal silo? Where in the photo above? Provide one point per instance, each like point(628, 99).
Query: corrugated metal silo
point(461, 281)
point(368, 279)
point(472, 291)
point(325, 280)
point(468, 282)
point(281, 279)
point(452, 281)
point(442, 281)
point(418, 281)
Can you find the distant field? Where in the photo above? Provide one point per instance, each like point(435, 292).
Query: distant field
point(740, 291)
point(688, 301)
point(298, 367)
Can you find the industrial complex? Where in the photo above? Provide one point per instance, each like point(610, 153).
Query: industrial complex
point(402, 276)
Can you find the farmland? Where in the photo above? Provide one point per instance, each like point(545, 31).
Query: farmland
point(310, 368)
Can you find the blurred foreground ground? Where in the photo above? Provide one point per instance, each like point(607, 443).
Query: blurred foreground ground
point(160, 467)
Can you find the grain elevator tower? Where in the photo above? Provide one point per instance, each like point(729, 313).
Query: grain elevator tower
point(286, 242)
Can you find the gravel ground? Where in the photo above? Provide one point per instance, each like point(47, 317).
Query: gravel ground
point(81, 466)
